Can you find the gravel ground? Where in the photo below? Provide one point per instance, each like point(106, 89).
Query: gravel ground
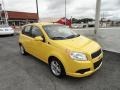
point(19, 72)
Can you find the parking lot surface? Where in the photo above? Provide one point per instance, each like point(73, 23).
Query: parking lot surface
point(18, 72)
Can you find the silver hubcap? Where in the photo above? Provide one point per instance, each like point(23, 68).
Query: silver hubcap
point(55, 67)
point(21, 49)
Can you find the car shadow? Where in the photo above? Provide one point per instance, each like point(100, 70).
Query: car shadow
point(3, 36)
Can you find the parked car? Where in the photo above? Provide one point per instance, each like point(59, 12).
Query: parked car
point(66, 52)
point(6, 30)
point(75, 25)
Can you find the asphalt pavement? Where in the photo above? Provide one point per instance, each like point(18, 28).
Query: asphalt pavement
point(18, 72)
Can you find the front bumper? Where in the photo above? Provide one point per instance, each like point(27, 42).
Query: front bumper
point(85, 74)
point(87, 67)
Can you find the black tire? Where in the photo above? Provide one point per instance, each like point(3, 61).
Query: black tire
point(60, 65)
point(22, 50)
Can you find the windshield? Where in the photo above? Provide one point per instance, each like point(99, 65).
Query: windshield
point(59, 32)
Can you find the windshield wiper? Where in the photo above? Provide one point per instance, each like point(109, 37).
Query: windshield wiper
point(77, 35)
point(73, 36)
point(58, 38)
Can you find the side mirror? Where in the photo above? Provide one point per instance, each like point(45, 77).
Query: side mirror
point(38, 38)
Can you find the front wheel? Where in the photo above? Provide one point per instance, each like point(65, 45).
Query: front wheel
point(57, 68)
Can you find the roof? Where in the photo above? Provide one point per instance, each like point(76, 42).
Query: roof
point(47, 23)
point(22, 15)
point(43, 23)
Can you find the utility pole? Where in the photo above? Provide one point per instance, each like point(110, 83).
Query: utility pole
point(5, 13)
point(0, 13)
point(65, 12)
point(71, 19)
point(97, 16)
point(37, 9)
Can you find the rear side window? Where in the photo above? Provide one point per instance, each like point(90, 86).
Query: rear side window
point(26, 30)
point(36, 32)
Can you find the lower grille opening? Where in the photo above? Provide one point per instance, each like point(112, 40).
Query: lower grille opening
point(82, 71)
point(97, 64)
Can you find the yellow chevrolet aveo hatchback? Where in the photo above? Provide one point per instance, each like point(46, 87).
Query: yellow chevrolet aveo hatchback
point(66, 52)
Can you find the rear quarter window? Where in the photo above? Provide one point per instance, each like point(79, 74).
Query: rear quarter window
point(26, 30)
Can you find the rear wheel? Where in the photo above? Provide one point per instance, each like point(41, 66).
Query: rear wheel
point(22, 50)
point(57, 68)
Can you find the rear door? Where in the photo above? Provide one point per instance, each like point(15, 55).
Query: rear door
point(36, 45)
point(26, 38)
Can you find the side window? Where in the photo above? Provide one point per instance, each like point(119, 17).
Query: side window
point(26, 30)
point(36, 32)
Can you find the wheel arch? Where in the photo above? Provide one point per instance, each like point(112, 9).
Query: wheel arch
point(57, 58)
point(20, 43)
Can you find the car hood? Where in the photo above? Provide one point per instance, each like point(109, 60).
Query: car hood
point(80, 44)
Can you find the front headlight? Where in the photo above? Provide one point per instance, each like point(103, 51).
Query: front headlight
point(78, 56)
